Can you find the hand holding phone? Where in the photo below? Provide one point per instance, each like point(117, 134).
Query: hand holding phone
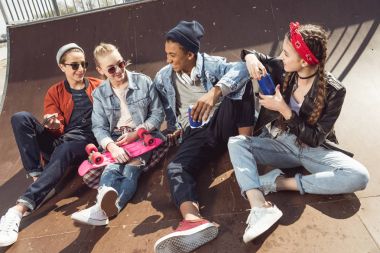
point(50, 121)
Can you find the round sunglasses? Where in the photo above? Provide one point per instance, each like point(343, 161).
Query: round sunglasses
point(112, 69)
point(75, 65)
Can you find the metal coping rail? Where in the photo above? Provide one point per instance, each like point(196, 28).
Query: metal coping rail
point(24, 11)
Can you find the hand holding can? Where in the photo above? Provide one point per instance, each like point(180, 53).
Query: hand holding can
point(193, 124)
point(266, 85)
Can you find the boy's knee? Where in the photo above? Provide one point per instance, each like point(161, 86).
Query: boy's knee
point(173, 169)
point(19, 117)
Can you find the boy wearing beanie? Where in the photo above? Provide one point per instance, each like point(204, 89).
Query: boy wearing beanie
point(207, 102)
point(60, 138)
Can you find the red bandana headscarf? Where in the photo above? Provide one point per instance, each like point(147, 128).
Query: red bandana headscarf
point(299, 44)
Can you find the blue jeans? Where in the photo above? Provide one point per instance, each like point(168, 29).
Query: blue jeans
point(123, 178)
point(332, 172)
point(61, 154)
point(33, 140)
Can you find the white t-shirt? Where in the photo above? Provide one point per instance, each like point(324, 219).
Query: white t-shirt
point(188, 93)
point(125, 116)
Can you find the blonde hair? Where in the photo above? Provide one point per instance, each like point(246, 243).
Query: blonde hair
point(102, 50)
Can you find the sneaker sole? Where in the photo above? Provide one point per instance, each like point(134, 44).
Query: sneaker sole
point(186, 241)
point(9, 243)
point(90, 221)
point(261, 229)
point(108, 203)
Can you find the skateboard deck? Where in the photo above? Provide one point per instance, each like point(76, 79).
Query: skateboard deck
point(134, 149)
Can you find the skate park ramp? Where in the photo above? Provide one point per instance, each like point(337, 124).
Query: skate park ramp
point(311, 223)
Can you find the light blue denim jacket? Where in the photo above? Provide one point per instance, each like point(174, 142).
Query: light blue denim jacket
point(216, 71)
point(143, 104)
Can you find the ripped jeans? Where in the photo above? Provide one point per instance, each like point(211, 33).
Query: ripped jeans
point(332, 172)
point(124, 178)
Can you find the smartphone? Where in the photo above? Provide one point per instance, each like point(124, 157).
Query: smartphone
point(46, 120)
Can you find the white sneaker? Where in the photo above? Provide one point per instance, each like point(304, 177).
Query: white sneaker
point(259, 220)
point(9, 226)
point(107, 197)
point(91, 216)
point(268, 181)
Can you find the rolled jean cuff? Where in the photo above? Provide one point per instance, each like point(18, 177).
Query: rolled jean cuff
point(26, 202)
point(243, 191)
point(298, 177)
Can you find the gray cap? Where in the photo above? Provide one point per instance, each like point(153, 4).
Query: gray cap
point(66, 48)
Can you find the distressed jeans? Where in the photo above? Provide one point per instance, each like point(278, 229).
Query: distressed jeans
point(124, 178)
point(332, 172)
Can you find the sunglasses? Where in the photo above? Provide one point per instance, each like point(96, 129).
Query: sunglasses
point(112, 70)
point(75, 65)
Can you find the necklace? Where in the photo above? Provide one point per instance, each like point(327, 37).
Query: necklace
point(307, 77)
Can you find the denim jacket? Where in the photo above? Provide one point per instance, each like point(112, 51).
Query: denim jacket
point(212, 70)
point(143, 104)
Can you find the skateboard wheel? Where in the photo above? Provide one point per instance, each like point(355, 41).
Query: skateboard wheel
point(148, 140)
point(97, 158)
point(141, 132)
point(91, 148)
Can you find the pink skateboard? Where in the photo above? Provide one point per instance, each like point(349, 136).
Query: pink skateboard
point(96, 159)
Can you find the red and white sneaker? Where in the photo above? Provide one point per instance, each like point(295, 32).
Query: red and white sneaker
point(187, 237)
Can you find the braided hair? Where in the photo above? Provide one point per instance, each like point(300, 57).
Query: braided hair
point(315, 38)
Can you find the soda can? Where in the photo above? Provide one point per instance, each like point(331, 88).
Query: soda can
point(266, 85)
point(193, 124)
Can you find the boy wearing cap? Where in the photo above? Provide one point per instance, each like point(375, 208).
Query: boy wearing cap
point(221, 99)
point(60, 139)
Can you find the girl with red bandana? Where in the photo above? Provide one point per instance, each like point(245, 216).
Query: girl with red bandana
point(296, 127)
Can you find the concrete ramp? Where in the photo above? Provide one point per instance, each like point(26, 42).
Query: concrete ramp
point(311, 223)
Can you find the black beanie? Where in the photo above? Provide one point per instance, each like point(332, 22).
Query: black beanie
point(187, 34)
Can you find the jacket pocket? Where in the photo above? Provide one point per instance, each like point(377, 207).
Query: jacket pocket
point(109, 111)
point(140, 102)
